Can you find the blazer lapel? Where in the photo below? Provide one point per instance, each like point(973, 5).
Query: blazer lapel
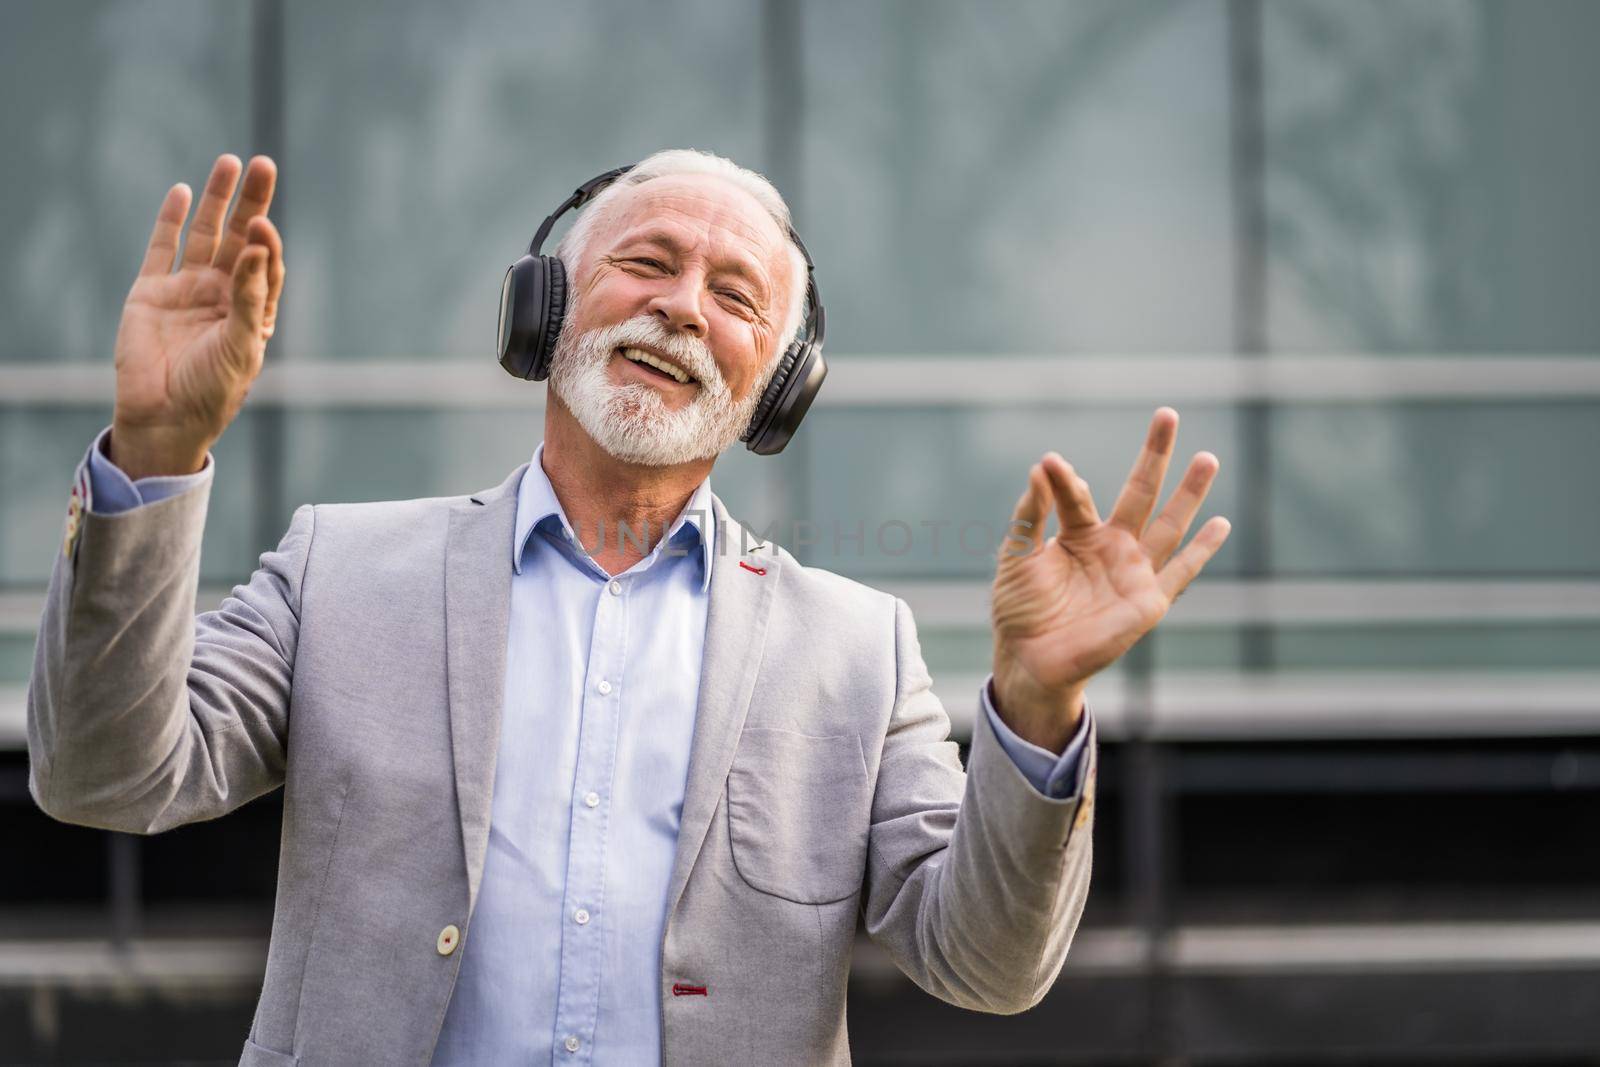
point(477, 609)
point(736, 628)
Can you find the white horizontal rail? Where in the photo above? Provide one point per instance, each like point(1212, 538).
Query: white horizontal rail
point(958, 381)
point(1264, 706)
point(1030, 380)
point(1334, 948)
point(1322, 705)
point(1310, 602)
point(1209, 602)
point(176, 963)
point(1369, 947)
point(20, 612)
point(1349, 948)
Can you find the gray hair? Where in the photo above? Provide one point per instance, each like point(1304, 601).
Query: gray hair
point(673, 161)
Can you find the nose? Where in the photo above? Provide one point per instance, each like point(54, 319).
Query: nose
point(677, 305)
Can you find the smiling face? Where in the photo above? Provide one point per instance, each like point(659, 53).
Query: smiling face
point(680, 296)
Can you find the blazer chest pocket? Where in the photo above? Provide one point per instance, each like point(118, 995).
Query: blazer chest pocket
point(798, 811)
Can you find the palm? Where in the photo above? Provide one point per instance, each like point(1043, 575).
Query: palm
point(174, 354)
point(1069, 611)
point(1067, 607)
point(192, 339)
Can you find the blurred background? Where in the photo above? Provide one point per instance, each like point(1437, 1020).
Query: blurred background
point(1350, 785)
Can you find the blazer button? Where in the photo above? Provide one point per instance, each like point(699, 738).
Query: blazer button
point(449, 938)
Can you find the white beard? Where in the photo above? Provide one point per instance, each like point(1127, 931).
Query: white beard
point(631, 422)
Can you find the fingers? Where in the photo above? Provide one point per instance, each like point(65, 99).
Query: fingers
point(163, 247)
point(204, 231)
point(247, 307)
point(1138, 497)
point(1163, 536)
point(265, 234)
point(1075, 508)
point(260, 180)
point(1186, 565)
point(1028, 519)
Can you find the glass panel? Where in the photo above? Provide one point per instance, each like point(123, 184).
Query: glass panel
point(912, 480)
point(1488, 646)
point(1428, 185)
point(1030, 176)
point(1440, 489)
point(1485, 646)
point(109, 105)
point(238, 528)
point(335, 456)
point(16, 660)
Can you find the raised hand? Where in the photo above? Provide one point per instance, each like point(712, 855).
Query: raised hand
point(191, 340)
point(1067, 608)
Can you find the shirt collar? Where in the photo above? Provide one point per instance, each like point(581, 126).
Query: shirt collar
point(536, 501)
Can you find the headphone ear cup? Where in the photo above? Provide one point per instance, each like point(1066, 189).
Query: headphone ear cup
point(787, 398)
point(555, 274)
point(769, 398)
point(533, 300)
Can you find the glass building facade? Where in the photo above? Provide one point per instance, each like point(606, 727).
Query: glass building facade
point(1354, 243)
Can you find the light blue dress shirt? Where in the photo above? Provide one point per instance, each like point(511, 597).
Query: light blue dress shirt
point(563, 955)
point(562, 959)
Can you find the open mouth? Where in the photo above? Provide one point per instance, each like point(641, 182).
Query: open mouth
point(656, 366)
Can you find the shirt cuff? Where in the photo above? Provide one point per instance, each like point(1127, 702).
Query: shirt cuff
point(111, 490)
point(1058, 777)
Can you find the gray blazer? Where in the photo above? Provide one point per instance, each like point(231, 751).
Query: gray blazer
point(362, 667)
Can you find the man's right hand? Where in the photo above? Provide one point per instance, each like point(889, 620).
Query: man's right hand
point(191, 341)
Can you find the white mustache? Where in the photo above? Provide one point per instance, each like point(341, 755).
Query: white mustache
point(631, 421)
point(689, 352)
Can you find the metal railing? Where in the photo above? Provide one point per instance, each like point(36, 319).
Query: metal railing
point(961, 381)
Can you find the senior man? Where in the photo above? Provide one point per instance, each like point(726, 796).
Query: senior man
point(553, 795)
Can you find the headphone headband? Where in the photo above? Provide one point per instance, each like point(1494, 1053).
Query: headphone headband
point(583, 194)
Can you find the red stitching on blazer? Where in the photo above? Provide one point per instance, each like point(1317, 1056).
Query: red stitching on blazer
point(757, 570)
point(681, 990)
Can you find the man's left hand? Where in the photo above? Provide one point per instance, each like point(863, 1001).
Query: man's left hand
point(1067, 608)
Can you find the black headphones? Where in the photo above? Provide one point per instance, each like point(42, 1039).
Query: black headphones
point(533, 299)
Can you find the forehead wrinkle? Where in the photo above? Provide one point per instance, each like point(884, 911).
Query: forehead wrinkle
point(734, 207)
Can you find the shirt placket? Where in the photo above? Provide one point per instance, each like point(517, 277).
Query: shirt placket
point(583, 906)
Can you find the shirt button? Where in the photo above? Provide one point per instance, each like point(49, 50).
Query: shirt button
point(591, 799)
point(571, 1044)
point(616, 588)
point(604, 687)
point(449, 938)
point(581, 917)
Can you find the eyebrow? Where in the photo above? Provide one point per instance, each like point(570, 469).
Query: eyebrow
point(743, 266)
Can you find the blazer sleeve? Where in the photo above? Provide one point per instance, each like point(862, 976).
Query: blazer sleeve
point(975, 881)
point(140, 716)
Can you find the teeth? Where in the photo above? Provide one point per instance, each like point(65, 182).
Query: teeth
point(639, 355)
